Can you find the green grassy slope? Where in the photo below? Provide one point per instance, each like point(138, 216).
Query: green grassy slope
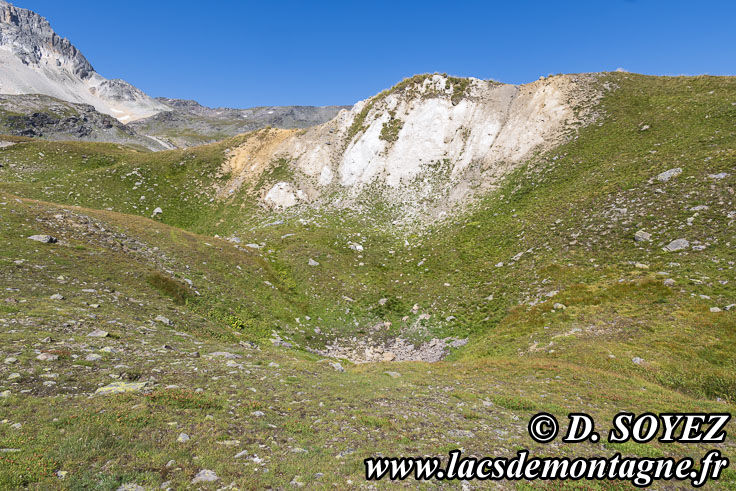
point(315, 424)
point(560, 230)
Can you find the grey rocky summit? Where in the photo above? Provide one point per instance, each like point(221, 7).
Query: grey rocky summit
point(34, 59)
point(28, 35)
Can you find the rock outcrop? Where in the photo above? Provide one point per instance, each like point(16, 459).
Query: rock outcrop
point(426, 144)
point(41, 116)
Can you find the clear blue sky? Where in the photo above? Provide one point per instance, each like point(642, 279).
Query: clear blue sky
point(242, 53)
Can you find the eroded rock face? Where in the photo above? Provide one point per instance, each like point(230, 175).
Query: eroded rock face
point(428, 143)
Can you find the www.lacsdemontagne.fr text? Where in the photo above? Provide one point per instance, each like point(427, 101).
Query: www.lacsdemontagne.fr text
point(640, 471)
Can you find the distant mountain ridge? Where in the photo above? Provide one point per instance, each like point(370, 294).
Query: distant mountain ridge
point(189, 123)
point(194, 107)
point(35, 60)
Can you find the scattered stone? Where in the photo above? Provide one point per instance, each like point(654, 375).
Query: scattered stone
point(121, 387)
point(10, 360)
point(47, 357)
point(460, 434)
point(669, 282)
point(280, 342)
point(730, 306)
point(98, 333)
point(677, 245)
point(345, 453)
point(225, 354)
point(393, 374)
point(559, 306)
point(637, 360)
point(57, 296)
point(163, 320)
point(45, 239)
point(131, 487)
point(312, 262)
point(642, 236)
point(336, 365)
point(93, 357)
point(721, 175)
point(157, 212)
point(229, 443)
point(641, 266)
point(389, 356)
point(715, 309)
point(258, 414)
point(183, 438)
point(4, 394)
point(458, 343)
point(205, 475)
point(669, 174)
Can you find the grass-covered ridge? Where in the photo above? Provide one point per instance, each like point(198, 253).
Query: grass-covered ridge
point(563, 309)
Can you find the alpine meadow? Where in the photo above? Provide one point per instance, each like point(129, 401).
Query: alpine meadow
point(263, 298)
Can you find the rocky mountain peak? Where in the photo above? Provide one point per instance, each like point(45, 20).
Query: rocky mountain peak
point(36, 60)
point(31, 38)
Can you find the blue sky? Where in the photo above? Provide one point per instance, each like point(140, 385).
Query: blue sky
point(243, 54)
